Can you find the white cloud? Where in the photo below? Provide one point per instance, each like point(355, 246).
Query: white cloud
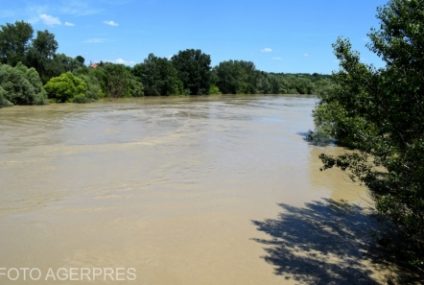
point(266, 50)
point(120, 60)
point(50, 20)
point(277, 58)
point(306, 54)
point(111, 23)
point(77, 8)
point(69, 24)
point(95, 41)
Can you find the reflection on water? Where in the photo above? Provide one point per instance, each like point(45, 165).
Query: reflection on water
point(166, 185)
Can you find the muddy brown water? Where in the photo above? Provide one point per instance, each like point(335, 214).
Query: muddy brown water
point(184, 190)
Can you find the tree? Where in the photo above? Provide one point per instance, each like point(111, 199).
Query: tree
point(80, 60)
point(45, 44)
point(94, 90)
point(14, 42)
point(378, 113)
point(41, 53)
point(20, 85)
point(67, 88)
point(118, 81)
point(236, 76)
point(159, 76)
point(62, 63)
point(194, 70)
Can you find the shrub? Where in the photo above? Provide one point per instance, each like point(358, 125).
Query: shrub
point(67, 88)
point(21, 86)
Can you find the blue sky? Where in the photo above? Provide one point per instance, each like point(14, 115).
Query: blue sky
point(277, 35)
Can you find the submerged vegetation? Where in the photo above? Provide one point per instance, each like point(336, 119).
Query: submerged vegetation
point(377, 113)
point(40, 70)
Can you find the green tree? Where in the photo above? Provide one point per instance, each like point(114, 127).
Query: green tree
point(20, 85)
point(14, 42)
point(118, 81)
point(378, 113)
point(61, 63)
point(41, 53)
point(67, 88)
point(236, 77)
point(263, 83)
point(80, 60)
point(159, 76)
point(194, 70)
point(94, 90)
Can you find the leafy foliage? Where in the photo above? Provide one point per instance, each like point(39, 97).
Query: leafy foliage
point(15, 42)
point(118, 81)
point(214, 90)
point(94, 88)
point(194, 70)
point(20, 85)
point(377, 112)
point(41, 53)
point(17, 45)
point(159, 77)
point(236, 77)
point(66, 88)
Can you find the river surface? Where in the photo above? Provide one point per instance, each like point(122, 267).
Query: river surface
point(184, 190)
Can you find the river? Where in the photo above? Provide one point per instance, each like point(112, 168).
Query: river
point(184, 190)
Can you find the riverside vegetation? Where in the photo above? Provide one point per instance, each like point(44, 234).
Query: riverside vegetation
point(378, 113)
point(32, 72)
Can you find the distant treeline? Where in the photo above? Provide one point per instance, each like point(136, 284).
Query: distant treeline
point(32, 72)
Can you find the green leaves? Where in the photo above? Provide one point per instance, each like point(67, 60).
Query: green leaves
point(14, 42)
point(236, 77)
point(194, 70)
point(66, 88)
point(20, 85)
point(118, 81)
point(378, 113)
point(159, 77)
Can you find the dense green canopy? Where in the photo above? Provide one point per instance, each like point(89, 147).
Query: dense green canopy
point(194, 70)
point(377, 113)
point(20, 85)
point(159, 76)
point(66, 88)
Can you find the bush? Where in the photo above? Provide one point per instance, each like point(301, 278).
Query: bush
point(117, 81)
point(214, 90)
point(21, 86)
point(67, 88)
point(3, 101)
point(94, 90)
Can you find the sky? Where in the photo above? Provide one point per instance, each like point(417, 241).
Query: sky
point(277, 35)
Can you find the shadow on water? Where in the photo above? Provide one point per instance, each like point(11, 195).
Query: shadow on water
point(316, 138)
point(325, 242)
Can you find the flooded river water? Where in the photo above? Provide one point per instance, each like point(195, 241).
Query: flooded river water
point(218, 190)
